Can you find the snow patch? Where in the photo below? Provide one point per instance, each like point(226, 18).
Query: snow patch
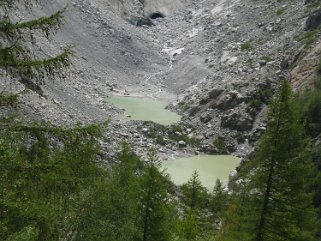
point(172, 51)
point(227, 58)
point(192, 33)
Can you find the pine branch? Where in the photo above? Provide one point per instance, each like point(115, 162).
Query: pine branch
point(45, 24)
point(31, 67)
point(27, 62)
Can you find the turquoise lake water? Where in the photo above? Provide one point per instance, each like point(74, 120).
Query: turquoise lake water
point(209, 168)
point(145, 109)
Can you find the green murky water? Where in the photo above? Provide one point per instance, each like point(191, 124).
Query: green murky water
point(145, 109)
point(209, 168)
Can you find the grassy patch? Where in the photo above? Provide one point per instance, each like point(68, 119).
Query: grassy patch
point(266, 58)
point(220, 144)
point(261, 96)
point(240, 138)
point(280, 11)
point(313, 4)
point(9, 100)
point(183, 106)
point(174, 133)
point(309, 38)
point(246, 46)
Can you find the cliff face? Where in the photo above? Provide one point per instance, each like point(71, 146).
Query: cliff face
point(304, 73)
point(222, 58)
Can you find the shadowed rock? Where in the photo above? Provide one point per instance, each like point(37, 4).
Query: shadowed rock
point(314, 20)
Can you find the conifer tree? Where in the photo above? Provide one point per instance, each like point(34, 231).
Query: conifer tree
point(113, 205)
point(44, 172)
point(156, 208)
point(195, 194)
point(219, 199)
point(273, 203)
point(196, 222)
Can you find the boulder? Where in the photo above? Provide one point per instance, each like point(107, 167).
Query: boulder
point(181, 143)
point(228, 101)
point(237, 121)
point(139, 21)
point(215, 93)
point(194, 110)
point(313, 21)
point(205, 118)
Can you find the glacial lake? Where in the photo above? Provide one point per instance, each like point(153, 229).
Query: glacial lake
point(145, 109)
point(209, 168)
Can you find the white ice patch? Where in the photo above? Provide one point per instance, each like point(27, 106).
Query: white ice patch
point(220, 7)
point(172, 51)
point(192, 33)
point(217, 9)
point(198, 12)
point(227, 58)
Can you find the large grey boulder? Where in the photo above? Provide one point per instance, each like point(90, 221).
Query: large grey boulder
point(314, 20)
point(237, 121)
point(228, 101)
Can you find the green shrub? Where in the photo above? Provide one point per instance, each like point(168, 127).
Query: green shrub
point(220, 144)
point(246, 46)
point(262, 96)
point(266, 58)
point(240, 138)
point(8, 100)
point(308, 38)
point(280, 11)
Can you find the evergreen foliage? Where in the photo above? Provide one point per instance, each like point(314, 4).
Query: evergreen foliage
point(53, 189)
point(195, 195)
point(219, 200)
point(279, 206)
point(44, 170)
point(310, 102)
point(156, 215)
point(199, 219)
point(112, 207)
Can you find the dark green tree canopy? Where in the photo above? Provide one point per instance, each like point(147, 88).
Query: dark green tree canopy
point(273, 202)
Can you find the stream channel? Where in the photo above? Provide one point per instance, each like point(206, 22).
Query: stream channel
point(209, 167)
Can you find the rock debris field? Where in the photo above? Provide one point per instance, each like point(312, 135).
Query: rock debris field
point(217, 62)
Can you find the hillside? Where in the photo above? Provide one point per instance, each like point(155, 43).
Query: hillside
point(160, 120)
point(218, 62)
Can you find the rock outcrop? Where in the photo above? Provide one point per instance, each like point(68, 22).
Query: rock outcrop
point(314, 20)
point(304, 74)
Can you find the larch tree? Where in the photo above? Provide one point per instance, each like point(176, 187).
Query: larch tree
point(45, 170)
point(273, 202)
point(156, 215)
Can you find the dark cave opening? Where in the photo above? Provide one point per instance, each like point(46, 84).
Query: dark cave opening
point(156, 15)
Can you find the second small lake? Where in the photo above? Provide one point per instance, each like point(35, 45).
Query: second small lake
point(145, 109)
point(209, 168)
